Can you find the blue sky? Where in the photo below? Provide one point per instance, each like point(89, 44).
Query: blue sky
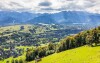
point(50, 6)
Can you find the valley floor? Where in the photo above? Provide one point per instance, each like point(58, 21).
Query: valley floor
point(84, 54)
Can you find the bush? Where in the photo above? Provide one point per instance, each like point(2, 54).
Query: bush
point(20, 61)
point(49, 52)
point(16, 61)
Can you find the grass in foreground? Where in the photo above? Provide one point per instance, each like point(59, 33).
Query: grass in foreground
point(82, 54)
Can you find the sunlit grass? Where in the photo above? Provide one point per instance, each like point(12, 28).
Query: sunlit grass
point(15, 28)
point(82, 54)
point(11, 58)
point(23, 57)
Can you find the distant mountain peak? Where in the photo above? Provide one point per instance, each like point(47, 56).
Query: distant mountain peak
point(64, 17)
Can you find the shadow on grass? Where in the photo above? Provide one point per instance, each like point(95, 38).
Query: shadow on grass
point(97, 45)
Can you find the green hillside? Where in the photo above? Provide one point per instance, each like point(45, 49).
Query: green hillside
point(71, 49)
point(84, 54)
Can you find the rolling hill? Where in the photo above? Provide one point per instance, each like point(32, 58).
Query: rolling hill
point(68, 52)
point(84, 54)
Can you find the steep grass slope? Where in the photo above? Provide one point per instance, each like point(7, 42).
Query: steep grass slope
point(84, 54)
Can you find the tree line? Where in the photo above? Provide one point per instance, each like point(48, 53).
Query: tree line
point(89, 37)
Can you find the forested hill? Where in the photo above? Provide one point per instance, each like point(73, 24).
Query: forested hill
point(89, 37)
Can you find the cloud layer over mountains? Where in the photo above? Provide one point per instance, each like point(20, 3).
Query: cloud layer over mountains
point(51, 6)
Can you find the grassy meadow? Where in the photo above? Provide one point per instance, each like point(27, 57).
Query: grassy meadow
point(84, 54)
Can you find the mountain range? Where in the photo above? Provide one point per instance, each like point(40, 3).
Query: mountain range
point(64, 17)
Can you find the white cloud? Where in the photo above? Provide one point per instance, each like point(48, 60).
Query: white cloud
point(50, 5)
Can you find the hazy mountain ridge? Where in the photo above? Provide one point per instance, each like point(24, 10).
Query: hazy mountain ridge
point(7, 17)
point(64, 17)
